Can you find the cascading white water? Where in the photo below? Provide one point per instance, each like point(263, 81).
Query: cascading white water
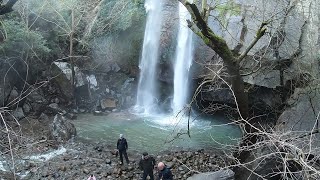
point(183, 61)
point(147, 87)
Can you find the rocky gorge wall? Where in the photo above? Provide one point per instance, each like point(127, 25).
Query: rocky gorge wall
point(284, 62)
point(106, 62)
point(283, 67)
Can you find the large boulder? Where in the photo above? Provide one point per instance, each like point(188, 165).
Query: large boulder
point(18, 114)
point(127, 93)
point(37, 101)
point(218, 175)
point(264, 100)
point(301, 117)
point(61, 129)
point(14, 74)
point(108, 103)
point(221, 96)
point(266, 162)
point(301, 113)
point(62, 74)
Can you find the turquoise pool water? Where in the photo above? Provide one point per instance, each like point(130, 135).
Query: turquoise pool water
point(158, 133)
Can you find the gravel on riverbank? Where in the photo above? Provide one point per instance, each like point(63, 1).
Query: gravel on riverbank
point(80, 159)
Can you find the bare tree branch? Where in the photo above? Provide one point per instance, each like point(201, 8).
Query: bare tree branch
point(261, 31)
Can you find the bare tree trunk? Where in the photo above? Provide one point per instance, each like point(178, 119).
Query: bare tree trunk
point(71, 56)
point(200, 27)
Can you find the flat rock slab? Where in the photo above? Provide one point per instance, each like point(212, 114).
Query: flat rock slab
point(217, 175)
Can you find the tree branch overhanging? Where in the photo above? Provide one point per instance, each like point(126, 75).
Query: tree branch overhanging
point(200, 27)
point(261, 31)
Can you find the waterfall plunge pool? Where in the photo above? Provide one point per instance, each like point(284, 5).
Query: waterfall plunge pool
point(157, 133)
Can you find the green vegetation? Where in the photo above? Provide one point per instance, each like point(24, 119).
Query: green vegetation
point(118, 15)
point(20, 41)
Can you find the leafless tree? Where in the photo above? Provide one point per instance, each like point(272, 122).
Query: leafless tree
point(291, 154)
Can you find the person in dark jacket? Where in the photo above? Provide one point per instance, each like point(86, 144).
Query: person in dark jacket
point(164, 172)
point(147, 164)
point(122, 147)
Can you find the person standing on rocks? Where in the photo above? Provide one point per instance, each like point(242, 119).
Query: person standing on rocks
point(164, 172)
point(147, 164)
point(122, 147)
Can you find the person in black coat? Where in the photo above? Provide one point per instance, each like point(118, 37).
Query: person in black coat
point(122, 147)
point(146, 164)
point(164, 172)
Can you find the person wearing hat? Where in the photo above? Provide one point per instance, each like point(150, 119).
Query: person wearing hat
point(122, 147)
point(147, 164)
point(164, 172)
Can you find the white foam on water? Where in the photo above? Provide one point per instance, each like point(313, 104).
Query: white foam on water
point(181, 121)
point(47, 156)
point(2, 168)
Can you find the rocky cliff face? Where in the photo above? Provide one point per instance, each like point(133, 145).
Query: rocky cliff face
point(286, 58)
point(283, 64)
point(302, 107)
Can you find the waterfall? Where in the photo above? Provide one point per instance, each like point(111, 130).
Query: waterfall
point(183, 61)
point(147, 88)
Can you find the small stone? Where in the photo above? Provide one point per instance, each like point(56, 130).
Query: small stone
point(86, 171)
point(98, 148)
point(169, 158)
point(108, 161)
point(55, 175)
point(170, 164)
point(130, 168)
point(56, 100)
point(62, 168)
point(189, 154)
point(66, 158)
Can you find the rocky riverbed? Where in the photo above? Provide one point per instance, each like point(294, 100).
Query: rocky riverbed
point(77, 160)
